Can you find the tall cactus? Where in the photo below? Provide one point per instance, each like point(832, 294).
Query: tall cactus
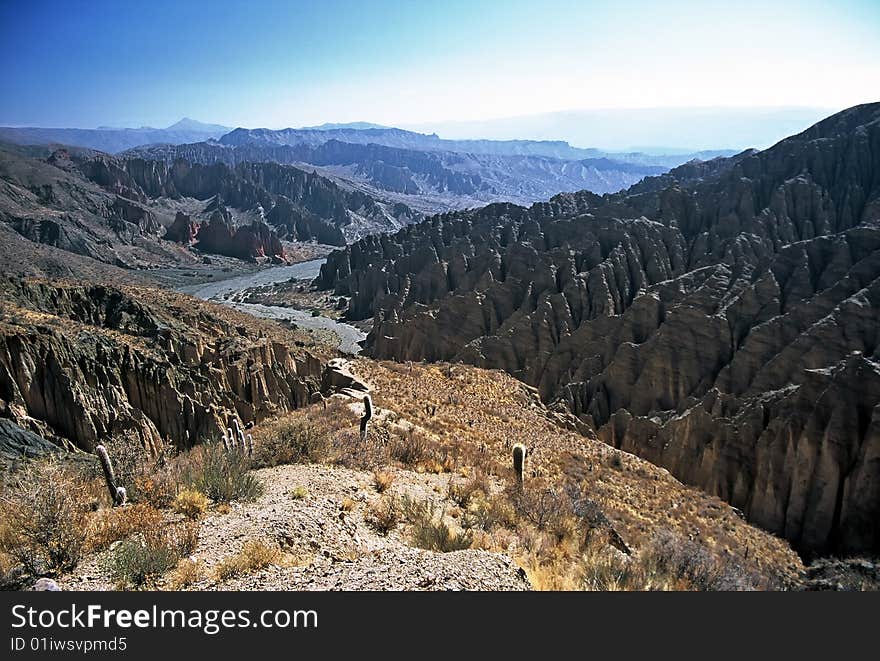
point(239, 434)
point(368, 414)
point(117, 493)
point(519, 462)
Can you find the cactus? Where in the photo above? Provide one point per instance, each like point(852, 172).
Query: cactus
point(250, 445)
point(231, 438)
point(117, 493)
point(519, 461)
point(368, 414)
point(318, 397)
point(239, 434)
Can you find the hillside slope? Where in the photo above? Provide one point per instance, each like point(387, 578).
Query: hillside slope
point(720, 320)
point(437, 453)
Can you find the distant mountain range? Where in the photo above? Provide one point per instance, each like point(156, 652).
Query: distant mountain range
point(423, 171)
point(363, 133)
point(657, 130)
point(113, 140)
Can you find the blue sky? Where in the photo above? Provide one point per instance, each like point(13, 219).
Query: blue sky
point(280, 64)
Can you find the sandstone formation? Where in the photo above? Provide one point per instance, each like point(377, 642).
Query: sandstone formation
point(721, 320)
point(116, 211)
point(48, 202)
point(299, 205)
point(220, 235)
point(422, 174)
point(80, 363)
point(184, 230)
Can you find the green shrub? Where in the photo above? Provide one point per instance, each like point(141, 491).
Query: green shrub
point(139, 560)
point(291, 442)
point(222, 476)
point(430, 532)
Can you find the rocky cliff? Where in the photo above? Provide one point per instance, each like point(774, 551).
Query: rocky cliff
point(422, 176)
point(49, 203)
point(720, 320)
point(300, 205)
point(82, 362)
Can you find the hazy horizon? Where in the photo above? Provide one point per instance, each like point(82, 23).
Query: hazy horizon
point(461, 69)
point(658, 130)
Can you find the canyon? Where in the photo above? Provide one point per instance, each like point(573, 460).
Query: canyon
point(719, 320)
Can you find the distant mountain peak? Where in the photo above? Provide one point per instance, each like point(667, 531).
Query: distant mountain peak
point(189, 124)
point(356, 126)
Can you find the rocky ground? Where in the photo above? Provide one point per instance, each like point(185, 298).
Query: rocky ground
point(325, 546)
point(297, 294)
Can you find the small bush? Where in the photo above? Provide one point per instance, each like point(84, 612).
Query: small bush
point(147, 479)
point(44, 511)
point(139, 560)
point(488, 513)
point(187, 572)
point(382, 480)
point(158, 488)
point(383, 515)
point(690, 566)
point(461, 493)
point(410, 449)
point(615, 461)
point(546, 509)
point(299, 493)
point(191, 503)
point(348, 504)
point(111, 525)
point(9, 577)
point(349, 450)
point(430, 532)
point(293, 441)
point(253, 556)
point(222, 476)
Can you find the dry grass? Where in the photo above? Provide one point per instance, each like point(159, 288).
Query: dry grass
point(383, 515)
point(256, 554)
point(187, 572)
point(429, 529)
point(111, 525)
point(462, 493)
point(45, 518)
point(578, 495)
point(382, 480)
point(348, 504)
point(190, 503)
point(475, 416)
